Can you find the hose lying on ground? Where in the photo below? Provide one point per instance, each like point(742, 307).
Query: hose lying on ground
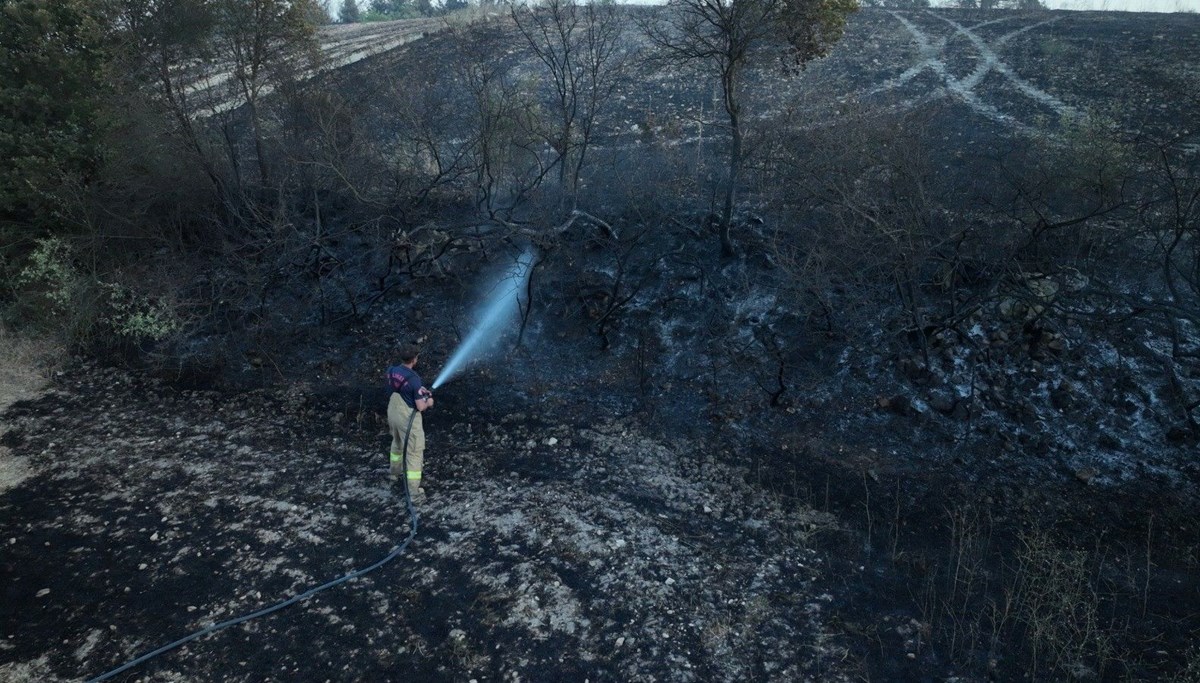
point(412, 515)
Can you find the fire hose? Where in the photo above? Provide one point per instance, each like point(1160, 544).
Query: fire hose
point(412, 515)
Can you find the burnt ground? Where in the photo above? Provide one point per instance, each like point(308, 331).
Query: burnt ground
point(633, 506)
point(548, 550)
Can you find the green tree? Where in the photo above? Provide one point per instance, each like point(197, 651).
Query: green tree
point(723, 34)
point(391, 9)
point(54, 59)
point(349, 13)
point(156, 36)
point(265, 40)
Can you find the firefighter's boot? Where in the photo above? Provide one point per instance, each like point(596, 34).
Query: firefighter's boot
point(415, 492)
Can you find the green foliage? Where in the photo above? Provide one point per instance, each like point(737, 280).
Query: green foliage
point(1094, 146)
point(376, 16)
point(813, 27)
point(165, 31)
point(252, 33)
point(138, 317)
point(49, 274)
point(391, 9)
point(349, 13)
point(54, 296)
point(1088, 157)
point(53, 79)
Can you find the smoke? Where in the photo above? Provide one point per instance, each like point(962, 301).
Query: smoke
point(500, 309)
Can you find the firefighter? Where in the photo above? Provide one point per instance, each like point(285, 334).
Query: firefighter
point(409, 399)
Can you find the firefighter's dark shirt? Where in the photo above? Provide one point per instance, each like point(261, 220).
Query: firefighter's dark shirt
point(405, 382)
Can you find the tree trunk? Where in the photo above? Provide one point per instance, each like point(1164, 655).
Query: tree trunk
point(258, 144)
point(729, 86)
point(735, 164)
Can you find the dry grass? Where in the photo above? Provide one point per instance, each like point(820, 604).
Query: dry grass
point(23, 367)
point(1057, 601)
point(1041, 601)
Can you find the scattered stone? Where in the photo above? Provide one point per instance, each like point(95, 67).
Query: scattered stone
point(1086, 474)
point(1041, 286)
point(900, 405)
point(43, 593)
point(1179, 434)
point(961, 410)
point(942, 402)
point(1062, 397)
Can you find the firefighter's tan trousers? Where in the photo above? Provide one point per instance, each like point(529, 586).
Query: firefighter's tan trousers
point(398, 416)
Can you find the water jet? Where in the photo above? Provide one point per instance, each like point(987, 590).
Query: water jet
point(500, 307)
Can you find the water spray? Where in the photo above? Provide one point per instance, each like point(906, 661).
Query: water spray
point(498, 310)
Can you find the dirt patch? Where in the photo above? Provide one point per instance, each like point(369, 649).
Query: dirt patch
point(22, 367)
point(22, 377)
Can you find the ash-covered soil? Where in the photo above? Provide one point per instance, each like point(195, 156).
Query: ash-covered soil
point(632, 505)
point(547, 550)
point(1022, 71)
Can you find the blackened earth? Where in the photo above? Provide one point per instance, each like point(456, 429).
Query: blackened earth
point(546, 551)
point(636, 508)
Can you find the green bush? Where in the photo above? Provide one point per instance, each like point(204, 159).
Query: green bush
point(49, 274)
point(53, 61)
point(137, 317)
point(52, 295)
